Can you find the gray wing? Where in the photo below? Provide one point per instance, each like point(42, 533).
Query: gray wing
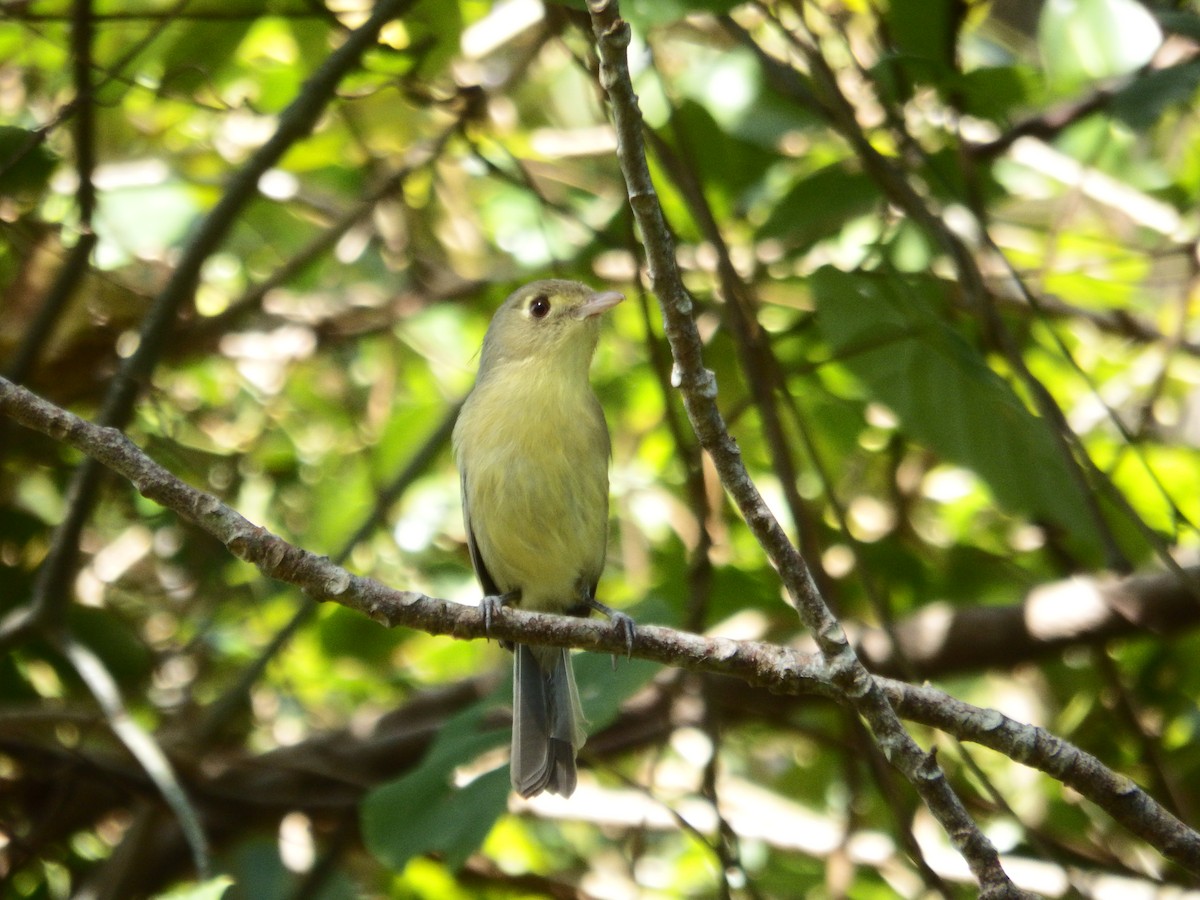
point(481, 572)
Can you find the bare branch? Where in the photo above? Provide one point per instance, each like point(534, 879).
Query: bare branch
point(141, 744)
point(321, 579)
point(1116, 794)
point(941, 640)
point(698, 386)
point(780, 670)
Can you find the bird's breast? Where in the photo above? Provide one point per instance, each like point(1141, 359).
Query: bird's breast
point(534, 458)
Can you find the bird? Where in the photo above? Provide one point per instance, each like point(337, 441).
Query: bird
point(532, 449)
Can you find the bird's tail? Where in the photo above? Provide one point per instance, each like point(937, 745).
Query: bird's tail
point(547, 721)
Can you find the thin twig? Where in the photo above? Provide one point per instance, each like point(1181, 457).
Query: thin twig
point(52, 592)
point(141, 744)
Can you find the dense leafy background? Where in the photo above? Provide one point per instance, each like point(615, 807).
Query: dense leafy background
point(905, 433)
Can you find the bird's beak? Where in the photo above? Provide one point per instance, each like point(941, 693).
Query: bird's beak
point(597, 304)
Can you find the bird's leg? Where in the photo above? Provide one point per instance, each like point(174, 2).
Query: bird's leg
point(492, 604)
point(620, 622)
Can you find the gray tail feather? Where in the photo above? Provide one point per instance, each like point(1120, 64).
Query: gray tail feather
point(547, 721)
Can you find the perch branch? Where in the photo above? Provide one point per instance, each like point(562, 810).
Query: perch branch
point(781, 670)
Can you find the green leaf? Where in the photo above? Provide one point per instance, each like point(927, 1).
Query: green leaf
point(25, 163)
point(646, 14)
point(433, 28)
point(716, 7)
point(420, 814)
point(344, 632)
point(992, 92)
point(924, 33)
point(424, 812)
point(727, 165)
point(888, 333)
point(200, 54)
point(922, 37)
point(257, 870)
point(1086, 40)
point(603, 688)
point(820, 205)
point(1143, 102)
point(212, 889)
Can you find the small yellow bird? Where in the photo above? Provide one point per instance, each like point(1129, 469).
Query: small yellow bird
point(532, 450)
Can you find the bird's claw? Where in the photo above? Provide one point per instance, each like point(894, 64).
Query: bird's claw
point(490, 607)
point(620, 622)
point(624, 624)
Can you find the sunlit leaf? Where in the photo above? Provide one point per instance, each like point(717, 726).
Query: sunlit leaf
point(1083, 40)
point(818, 205)
point(143, 220)
point(946, 397)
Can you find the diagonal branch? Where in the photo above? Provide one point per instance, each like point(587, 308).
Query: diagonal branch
point(698, 385)
point(141, 745)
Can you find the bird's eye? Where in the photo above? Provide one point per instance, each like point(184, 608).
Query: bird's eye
point(539, 307)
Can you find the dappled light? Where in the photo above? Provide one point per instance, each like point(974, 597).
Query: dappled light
point(904, 405)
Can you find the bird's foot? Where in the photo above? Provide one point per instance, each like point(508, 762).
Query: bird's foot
point(491, 605)
point(620, 622)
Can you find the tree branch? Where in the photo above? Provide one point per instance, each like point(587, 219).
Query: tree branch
point(698, 386)
point(780, 670)
point(942, 640)
point(1116, 794)
point(321, 579)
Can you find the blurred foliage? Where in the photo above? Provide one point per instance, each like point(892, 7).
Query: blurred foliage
point(310, 382)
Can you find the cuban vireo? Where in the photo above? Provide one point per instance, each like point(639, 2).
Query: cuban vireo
point(532, 450)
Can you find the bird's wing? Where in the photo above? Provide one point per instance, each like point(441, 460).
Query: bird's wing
point(485, 577)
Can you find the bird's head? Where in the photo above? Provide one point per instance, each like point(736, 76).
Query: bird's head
point(553, 320)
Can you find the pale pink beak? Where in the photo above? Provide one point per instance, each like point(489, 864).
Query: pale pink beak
point(597, 304)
